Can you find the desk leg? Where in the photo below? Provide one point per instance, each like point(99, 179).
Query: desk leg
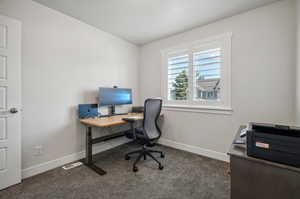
point(88, 150)
point(89, 153)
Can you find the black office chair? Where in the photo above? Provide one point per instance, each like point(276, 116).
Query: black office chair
point(148, 134)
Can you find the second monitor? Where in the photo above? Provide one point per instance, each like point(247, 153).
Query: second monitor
point(114, 96)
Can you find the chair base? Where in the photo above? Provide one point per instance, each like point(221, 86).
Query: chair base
point(144, 152)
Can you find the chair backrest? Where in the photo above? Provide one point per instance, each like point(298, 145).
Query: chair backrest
point(152, 109)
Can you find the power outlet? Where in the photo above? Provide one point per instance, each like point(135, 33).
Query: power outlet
point(38, 150)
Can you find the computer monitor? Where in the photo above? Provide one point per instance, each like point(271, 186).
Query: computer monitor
point(114, 96)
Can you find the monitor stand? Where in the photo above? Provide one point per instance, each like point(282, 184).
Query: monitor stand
point(112, 112)
point(112, 109)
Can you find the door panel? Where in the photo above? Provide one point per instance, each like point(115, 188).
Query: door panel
point(3, 98)
point(3, 31)
point(3, 163)
point(10, 97)
point(3, 68)
point(3, 129)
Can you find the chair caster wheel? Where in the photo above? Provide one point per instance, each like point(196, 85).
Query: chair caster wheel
point(161, 167)
point(127, 157)
point(135, 169)
point(162, 155)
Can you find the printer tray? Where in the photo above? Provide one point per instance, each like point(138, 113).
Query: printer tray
point(274, 143)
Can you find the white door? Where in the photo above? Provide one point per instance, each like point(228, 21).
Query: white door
point(10, 102)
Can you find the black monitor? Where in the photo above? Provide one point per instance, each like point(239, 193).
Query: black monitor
point(114, 96)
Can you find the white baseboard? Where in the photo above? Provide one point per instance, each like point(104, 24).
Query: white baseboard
point(41, 168)
point(194, 149)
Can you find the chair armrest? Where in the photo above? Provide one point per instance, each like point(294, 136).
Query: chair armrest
point(130, 120)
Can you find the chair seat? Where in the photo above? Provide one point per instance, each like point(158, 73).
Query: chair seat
point(138, 132)
point(140, 137)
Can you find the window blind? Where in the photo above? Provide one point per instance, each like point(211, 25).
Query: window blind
point(207, 64)
point(207, 73)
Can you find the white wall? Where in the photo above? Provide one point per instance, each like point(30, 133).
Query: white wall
point(64, 61)
point(263, 81)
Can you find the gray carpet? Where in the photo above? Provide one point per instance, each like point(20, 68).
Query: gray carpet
point(185, 176)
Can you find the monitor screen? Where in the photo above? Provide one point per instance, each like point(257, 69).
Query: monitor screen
point(114, 96)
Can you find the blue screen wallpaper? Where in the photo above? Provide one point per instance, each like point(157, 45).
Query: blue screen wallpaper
point(114, 96)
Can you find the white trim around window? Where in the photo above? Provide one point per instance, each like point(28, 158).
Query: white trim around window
point(188, 51)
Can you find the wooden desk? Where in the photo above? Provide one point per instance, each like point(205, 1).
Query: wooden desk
point(110, 121)
point(258, 178)
point(102, 122)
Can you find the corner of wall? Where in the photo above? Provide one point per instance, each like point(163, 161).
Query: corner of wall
point(139, 63)
point(297, 70)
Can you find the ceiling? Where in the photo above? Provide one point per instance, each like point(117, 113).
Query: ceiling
point(143, 21)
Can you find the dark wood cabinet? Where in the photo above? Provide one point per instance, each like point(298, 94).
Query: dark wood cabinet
point(253, 178)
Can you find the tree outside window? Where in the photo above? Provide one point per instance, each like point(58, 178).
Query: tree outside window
point(180, 87)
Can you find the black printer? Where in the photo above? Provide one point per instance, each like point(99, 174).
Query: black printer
point(273, 142)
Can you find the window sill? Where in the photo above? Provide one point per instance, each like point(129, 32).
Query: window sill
point(198, 109)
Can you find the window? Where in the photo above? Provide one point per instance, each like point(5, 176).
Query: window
point(178, 68)
point(207, 74)
point(197, 75)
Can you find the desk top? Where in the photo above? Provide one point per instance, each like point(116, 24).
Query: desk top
point(241, 152)
point(111, 120)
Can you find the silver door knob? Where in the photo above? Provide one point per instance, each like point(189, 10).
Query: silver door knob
point(13, 110)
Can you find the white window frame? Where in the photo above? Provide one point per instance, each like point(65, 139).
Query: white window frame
point(223, 104)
